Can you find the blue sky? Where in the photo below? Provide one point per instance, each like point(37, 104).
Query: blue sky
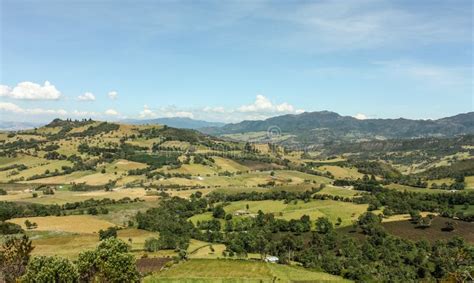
point(228, 60)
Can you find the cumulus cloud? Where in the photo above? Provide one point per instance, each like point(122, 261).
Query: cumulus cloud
point(261, 108)
point(13, 108)
point(85, 114)
point(168, 112)
point(263, 105)
point(147, 112)
point(360, 116)
point(88, 96)
point(111, 112)
point(113, 94)
point(31, 91)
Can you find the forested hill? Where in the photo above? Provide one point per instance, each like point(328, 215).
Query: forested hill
point(324, 126)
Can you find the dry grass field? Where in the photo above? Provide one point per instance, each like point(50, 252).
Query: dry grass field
point(71, 223)
point(69, 245)
point(64, 196)
point(342, 172)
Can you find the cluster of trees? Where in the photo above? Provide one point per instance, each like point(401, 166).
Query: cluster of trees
point(398, 202)
point(457, 185)
point(109, 262)
point(8, 228)
point(171, 220)
point(10, 149)
point(19, 167)
point(287, 196)
point(83, 187)
point(102, 128)
point(380, 257)
point(377, 168)
point(456, 170)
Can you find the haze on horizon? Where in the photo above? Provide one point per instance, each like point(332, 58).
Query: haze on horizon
point(231, 61)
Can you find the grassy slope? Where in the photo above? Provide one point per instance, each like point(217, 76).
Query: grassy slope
point(204, 270)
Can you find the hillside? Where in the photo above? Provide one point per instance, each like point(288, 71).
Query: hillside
point(325, 126)
point(181, 201)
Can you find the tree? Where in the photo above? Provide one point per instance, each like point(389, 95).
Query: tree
point(109, 262)
point(323, 225)
point(30, 225)
point(415, 216)
point(108, 233)
point(14, 256)
point(218, 212)
point(50, 269)
point(368, 222)
point(449, 226)
point(424, 223)
point(152, 244)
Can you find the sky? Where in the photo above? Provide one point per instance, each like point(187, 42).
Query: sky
point(229, 61)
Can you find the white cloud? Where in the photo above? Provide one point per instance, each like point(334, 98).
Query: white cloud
point(13, 108)
point(182, 114)
point(4, 90)
point(367, 24)
point(31, 91)
point(113, 94)
point(111, 112)
point(360, 116)
point(299, 111)
point(88, 96)
point(264, 106)
point(427, 73)
point(218, 109)
point(147, 113)
point(169, 111)
point(85, 114)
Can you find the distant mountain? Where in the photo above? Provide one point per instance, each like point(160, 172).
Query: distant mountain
point(17, 126)
point(177, 122)
point(325, 126)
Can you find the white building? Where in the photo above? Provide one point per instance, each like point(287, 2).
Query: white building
point(272, 259)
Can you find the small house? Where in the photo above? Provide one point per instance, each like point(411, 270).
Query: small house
point(271, 259)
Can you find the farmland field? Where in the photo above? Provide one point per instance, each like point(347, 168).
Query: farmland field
point(237, 271)
point(408, 230)
point(72, 223)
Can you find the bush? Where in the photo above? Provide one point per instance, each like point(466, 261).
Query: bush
point(109, 262)
point(7, 228)
point(50, 269)
point(110, 232)
point(152, 245)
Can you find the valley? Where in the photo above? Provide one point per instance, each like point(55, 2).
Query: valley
point(205, 208)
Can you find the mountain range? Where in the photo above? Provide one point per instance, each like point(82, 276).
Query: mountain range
point(326, 126)
point(17, 126)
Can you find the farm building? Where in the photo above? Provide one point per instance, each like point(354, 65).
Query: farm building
point(272, 259)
